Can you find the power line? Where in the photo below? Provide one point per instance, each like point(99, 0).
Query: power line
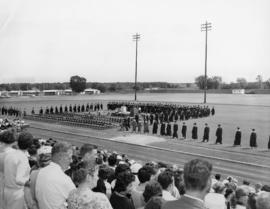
point(205, 27)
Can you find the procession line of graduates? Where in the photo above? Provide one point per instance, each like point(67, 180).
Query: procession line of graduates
point(167, 129)
point(75, 108)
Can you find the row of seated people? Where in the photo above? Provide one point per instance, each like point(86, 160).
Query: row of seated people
point(74, 120)
point(49, 174)
point(168, 111)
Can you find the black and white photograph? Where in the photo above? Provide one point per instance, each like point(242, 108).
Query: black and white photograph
point(123, 104)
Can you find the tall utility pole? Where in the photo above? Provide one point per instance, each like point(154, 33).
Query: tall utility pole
point(205, 27)
point(136, 38)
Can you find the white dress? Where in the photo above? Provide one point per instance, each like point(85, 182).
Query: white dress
point(3, 153)
point(16, 174)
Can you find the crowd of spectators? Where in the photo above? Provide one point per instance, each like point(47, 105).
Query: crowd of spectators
point(49, 174)
point(15, 123)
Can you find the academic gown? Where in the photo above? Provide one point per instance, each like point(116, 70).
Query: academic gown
point(253, 140)
point(219, 136)
point(237, 138)
point(195, 132)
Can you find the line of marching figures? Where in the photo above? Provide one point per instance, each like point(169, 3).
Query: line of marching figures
point(171, 130)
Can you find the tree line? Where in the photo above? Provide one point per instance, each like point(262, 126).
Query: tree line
point(215, 82)
point(79, 84)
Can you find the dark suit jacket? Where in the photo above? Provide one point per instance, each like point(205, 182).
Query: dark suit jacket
point(184, 203)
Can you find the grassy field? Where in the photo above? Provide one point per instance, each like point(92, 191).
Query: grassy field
point(247, 112)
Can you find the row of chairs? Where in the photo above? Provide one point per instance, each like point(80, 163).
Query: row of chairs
point(72, 121)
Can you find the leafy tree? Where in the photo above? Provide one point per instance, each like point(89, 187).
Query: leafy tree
point(259, 79)
point(267, 84)
point(77, 83)
point(200, 81)
point(242, 82)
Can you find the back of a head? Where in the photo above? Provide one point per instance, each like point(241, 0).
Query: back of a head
point(152, 188)
point(263, 200)
point(7, 137)
point(60, 152)
point(145, 173)
point(123, 180)
point(196, 174)
point(25, 140)
point(79, 176)
point(86, 148)
point(112, 160)
point(165, 179)
point(155, 203)
point(121, 168)
point(218, 187)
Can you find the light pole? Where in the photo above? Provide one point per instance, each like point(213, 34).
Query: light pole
point(205, 27)
point(136, 38)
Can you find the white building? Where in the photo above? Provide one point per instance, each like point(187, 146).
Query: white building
point(91, 91)
point(15, 93)
point(68, 92)
point(52, 92)
point(30, 93)
point(238, 91)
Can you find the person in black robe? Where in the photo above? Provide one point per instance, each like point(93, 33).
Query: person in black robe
point(237, 138)
point(51, 110)
point(155, 127)
point(175, 130)
point(47, 111)
point(41, 111)
point(219, 135)
point(194, 131)
point(206, 133)
point(151, 119)
point(83, 108)
point(66, 108)
point(269, 143)
point(87, 107)
point(213, 111)
point(56, 110)
point(184, 130)
point(33, 111)
point(74, 108)
point(253, 139)
point(169, 129)
point(61, 109)
point(162, 129)
point(70, 108)
point(79, 108)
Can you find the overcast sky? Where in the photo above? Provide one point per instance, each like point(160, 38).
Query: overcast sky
point(51, 40)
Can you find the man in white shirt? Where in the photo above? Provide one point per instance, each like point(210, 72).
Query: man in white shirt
point(216, 199)
point(166, 181)
point(16, 173)
point(53, 185)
